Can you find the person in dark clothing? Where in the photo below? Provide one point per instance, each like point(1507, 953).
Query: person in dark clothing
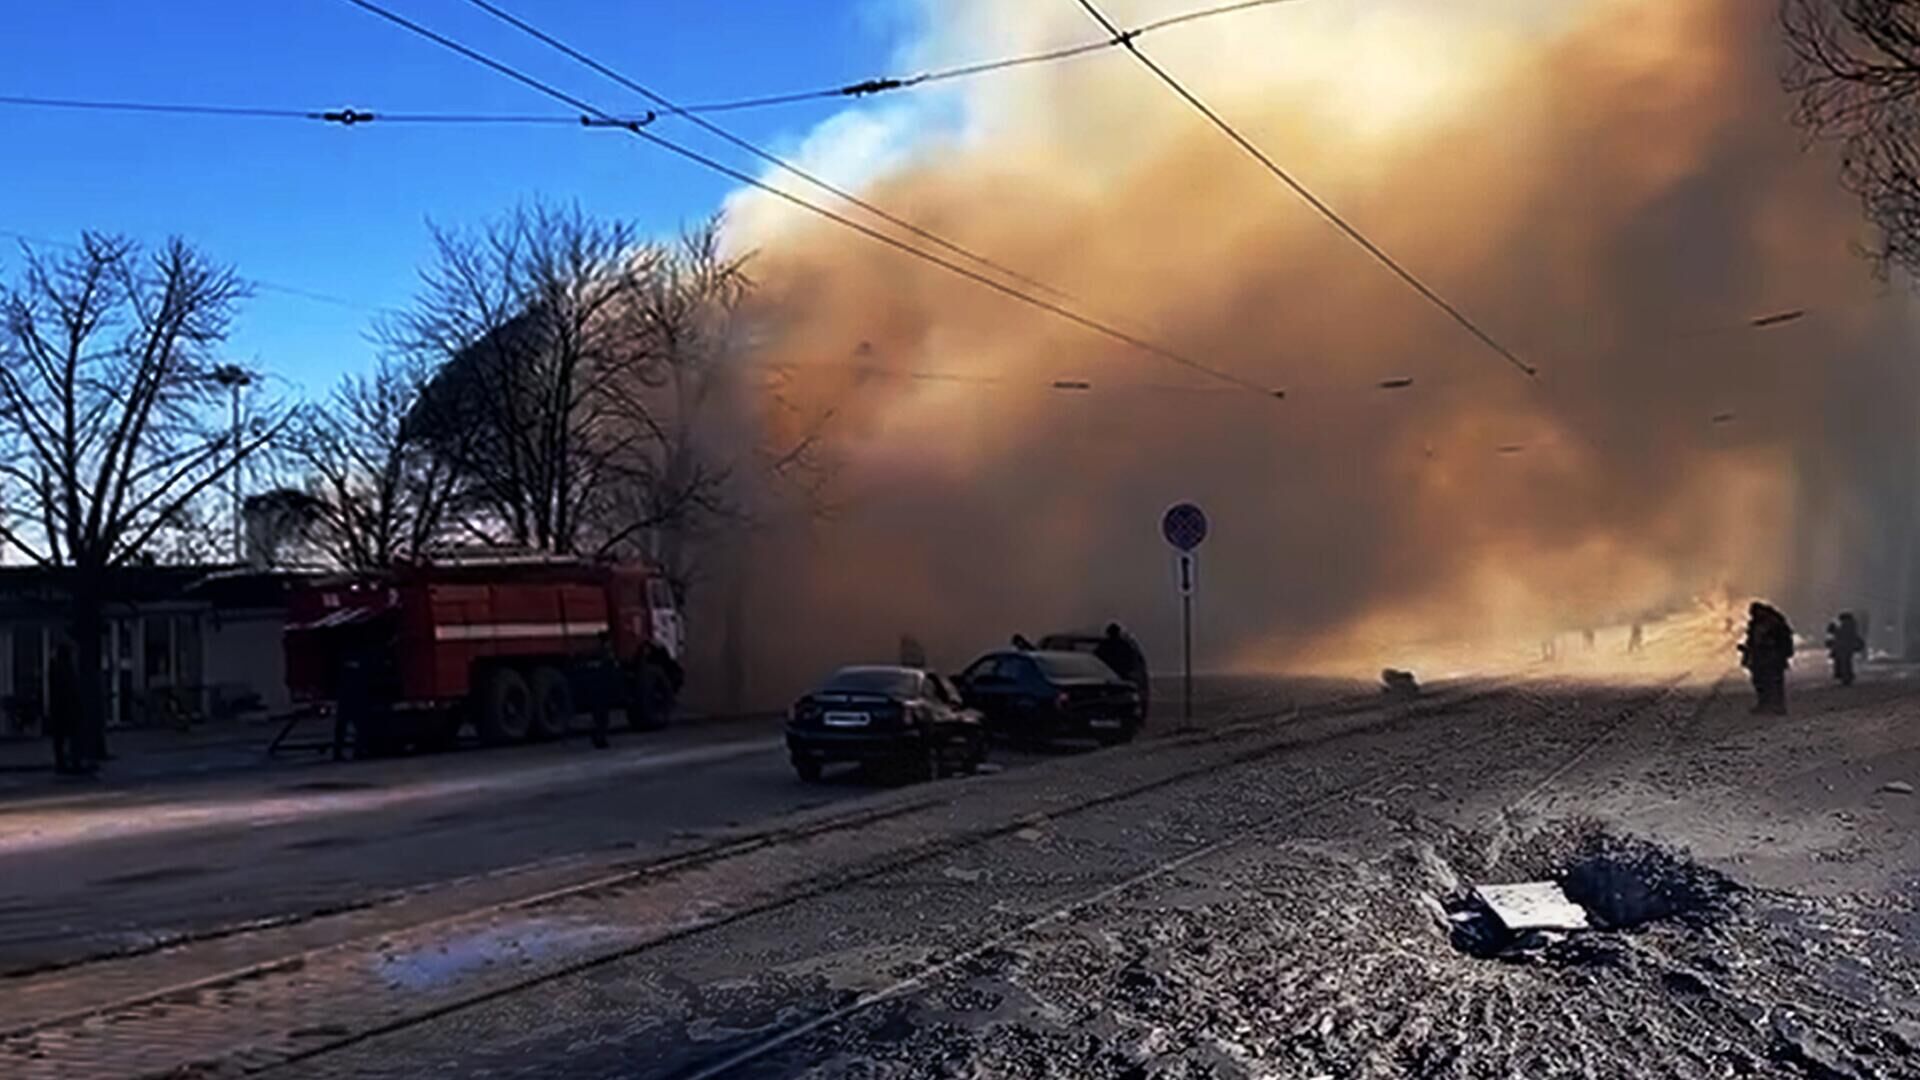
point(1020, 642)
point(1843, 644)
point(604, 687)
point(63, 713)
point(1765, 653)
point(361, 706)
point(1120, 652)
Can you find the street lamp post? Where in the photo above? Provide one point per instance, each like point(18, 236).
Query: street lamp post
point(236, 379)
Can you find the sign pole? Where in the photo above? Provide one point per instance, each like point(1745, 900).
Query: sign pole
point(1186, 634)
point(1185, 527)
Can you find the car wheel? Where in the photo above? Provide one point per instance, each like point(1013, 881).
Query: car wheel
point(808, 769)
point(915, 765)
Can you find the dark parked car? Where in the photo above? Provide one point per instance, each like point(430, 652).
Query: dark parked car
point(1089, 641)
point(889, 716)
point(1043, 695)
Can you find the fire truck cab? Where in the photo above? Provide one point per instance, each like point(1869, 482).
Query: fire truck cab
point(511, 644)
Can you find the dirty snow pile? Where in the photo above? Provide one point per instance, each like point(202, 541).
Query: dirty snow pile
point(1299, 961)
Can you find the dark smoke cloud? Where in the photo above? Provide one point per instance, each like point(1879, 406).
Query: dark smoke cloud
point(1613, 194)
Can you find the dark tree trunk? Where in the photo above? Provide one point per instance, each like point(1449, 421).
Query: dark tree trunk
point(89, 628)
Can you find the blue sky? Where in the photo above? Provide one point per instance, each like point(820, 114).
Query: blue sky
point(343, 212)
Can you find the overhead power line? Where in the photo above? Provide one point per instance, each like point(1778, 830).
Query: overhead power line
point(1319, 205)
point(864, 88)
point(842, 220)
point(265, 286)
point(885, 84)
point(341, 117)
point(763, 154)
point(673, 108)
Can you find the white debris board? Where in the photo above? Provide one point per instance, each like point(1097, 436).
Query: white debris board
point(1533, 905)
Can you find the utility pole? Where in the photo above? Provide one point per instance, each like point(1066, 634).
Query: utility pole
point(236, 379)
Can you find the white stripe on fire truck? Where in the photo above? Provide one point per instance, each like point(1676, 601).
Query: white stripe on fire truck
point(497, 631)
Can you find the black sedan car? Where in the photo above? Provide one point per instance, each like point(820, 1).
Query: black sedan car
point(887, 716)
point(1040, 695)
point(1090, 641)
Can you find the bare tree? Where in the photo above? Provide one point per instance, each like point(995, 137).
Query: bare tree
point(374, 489)
point(198, 532)
point(283, 526)
point(528, 327)
point(712, 440)
point(592, 392)
point(111, 424)
point(1855, 67)
point(673, 476)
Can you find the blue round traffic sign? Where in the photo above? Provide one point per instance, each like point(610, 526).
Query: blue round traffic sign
point(1184, 526)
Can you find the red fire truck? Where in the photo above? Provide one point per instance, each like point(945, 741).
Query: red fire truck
point(508, 643)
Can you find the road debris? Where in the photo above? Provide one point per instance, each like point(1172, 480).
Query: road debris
point(1397, 683)
point(1532, 905)
point(1897, 787)
point(1305, 962)
point(1514, 921)
point(1800, 1044)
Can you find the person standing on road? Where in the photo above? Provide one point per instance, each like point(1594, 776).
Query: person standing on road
point(603, 685)
point(1120, 652)
point(1843, 644)
point(353, 710)
point(63, 713)
point(1765, 653)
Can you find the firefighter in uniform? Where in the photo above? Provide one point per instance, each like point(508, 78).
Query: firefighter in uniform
point(1765, 653)
point(1843, 644)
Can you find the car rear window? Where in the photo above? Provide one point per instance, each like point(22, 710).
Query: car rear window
point(1072, 665)
point(874, 681)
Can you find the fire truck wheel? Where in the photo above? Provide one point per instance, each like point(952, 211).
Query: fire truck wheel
point(552, 704)
point(506, 707)
point(652, 707)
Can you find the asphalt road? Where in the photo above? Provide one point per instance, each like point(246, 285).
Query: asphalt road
point(90, 871)
point(1252, 896)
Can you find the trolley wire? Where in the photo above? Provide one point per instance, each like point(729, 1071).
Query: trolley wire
point(1320, 206)
point(762, 153)
point(32, 241)
point(885, 84)
point(345, 117)
point(1058, 309)
point(864, 88)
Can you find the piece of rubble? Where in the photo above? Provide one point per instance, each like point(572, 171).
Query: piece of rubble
point(1905, 1036)
point(1797, 1042)
point(1897, 787)
point(1532, 905)
point(1397, 683)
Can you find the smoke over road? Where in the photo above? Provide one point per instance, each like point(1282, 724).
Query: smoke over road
point(1611, 187)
